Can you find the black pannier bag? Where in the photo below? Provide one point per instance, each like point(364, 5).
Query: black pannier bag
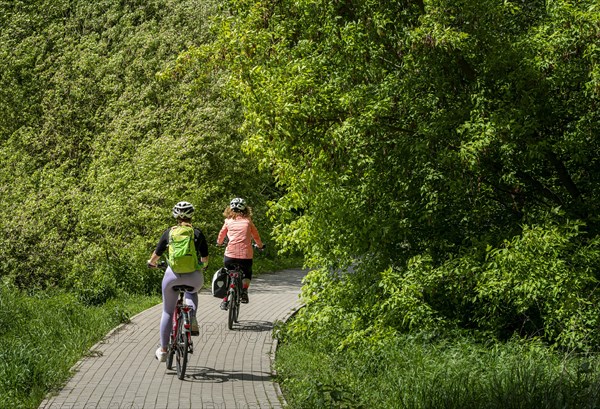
point(219, 283)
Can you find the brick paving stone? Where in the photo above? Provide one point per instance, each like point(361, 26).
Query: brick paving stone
point(228, 369)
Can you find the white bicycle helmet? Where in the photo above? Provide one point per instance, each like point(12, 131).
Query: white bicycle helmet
point(183, 210)
point(238, 204)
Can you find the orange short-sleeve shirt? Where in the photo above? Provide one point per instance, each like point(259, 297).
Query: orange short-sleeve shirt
point(240, 232)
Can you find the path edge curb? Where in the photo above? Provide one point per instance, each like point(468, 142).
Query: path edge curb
point(273, 352)
point(90, 352)
point(110, 334)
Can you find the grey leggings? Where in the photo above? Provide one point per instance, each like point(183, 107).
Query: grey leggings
point(171, 279)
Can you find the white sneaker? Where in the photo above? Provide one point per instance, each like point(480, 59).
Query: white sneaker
point(161, 355)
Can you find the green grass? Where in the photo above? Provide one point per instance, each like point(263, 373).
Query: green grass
point(43, 335)
point(408, 372)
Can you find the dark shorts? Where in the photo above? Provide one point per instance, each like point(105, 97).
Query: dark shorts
point(244, 263)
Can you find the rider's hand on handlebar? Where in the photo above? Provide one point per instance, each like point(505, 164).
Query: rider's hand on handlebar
point(150, 265)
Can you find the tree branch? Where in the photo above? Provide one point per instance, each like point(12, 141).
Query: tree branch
point(563, 175)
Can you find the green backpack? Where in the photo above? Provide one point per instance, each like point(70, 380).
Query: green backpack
point(182, 255)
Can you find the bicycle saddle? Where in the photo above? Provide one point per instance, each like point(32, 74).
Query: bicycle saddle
point(185, 288)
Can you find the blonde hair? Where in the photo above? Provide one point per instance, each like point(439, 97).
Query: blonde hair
point(230, 214)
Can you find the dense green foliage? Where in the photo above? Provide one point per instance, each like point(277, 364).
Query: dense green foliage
point(446, 151)
point(101, 134)
point(436, 161)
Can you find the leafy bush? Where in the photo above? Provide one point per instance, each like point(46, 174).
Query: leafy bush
point(542, 283)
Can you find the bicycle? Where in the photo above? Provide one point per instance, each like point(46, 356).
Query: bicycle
point(180, 339)
point(234, 293)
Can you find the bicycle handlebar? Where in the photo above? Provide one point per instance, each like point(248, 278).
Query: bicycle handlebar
point(253, 245)
point(161, 265)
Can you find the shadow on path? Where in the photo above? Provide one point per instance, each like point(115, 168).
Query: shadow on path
point(253, 326)
point(203, 374)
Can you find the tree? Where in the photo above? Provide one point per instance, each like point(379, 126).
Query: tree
point(433, 130)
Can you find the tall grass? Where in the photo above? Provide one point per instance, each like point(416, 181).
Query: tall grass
point(411, 373)
point(43, 335)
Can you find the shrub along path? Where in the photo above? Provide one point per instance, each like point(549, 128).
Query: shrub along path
point(229, 369)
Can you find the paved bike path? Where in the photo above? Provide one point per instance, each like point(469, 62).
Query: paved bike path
point(228, 369)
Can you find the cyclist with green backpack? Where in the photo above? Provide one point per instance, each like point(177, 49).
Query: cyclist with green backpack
point(187, 256)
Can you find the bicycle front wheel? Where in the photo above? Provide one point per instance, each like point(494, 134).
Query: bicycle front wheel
point(181, 350)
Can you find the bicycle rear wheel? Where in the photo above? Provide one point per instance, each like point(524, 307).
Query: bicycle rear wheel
point(181, 350)
point(232, 310)
point(237, 308)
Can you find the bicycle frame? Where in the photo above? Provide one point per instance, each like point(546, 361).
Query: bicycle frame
point(180, 343)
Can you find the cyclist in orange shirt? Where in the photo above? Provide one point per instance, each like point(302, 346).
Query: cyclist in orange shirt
point(240, 231)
